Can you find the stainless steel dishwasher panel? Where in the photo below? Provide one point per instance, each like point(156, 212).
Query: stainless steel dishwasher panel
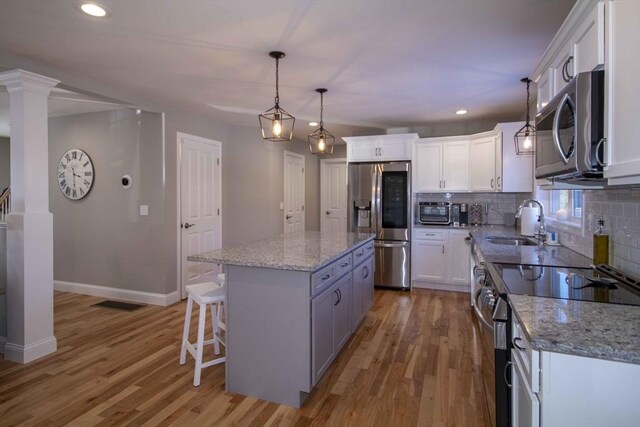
point(393, 264)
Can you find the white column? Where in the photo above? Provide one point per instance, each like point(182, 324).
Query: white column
point(30, 224)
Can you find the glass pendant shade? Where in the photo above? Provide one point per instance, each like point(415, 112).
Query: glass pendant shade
point(275, 123)
point(321, 141)
point(525, 138)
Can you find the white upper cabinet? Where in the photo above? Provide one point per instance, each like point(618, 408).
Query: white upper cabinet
point(380, 147)
point(623, 87)
point(427, 167)
point(441, 165)
point(577, 47)
point(483, 163)
point(514, 173)
point(455, 165)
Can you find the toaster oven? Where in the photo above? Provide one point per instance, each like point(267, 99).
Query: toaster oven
point(434, 213)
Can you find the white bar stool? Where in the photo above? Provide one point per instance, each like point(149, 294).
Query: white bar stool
point(204, 294)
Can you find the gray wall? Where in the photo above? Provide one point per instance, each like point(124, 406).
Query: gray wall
point(5, 171)
point(101, 239)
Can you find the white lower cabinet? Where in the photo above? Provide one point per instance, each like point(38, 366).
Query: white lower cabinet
point(525, 407)
point(552, 389)
point(440, 259)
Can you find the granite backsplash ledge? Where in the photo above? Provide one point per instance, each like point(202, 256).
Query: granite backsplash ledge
point(501, 207)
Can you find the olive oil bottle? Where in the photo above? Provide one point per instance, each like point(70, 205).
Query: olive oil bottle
point(600, 244)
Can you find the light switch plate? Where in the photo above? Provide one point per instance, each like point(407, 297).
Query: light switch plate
point(144, 210)
point(281, 206)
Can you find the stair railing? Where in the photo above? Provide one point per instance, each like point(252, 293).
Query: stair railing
point(5, 204)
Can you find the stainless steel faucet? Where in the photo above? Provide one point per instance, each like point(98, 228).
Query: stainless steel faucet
point(541, 235)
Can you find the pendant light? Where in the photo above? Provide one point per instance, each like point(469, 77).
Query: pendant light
point(525, 138)
point(276, 123)
point(320, 140)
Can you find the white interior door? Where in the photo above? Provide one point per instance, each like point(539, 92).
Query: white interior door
point(293, 192)
point(333, 195)
point(200, 204)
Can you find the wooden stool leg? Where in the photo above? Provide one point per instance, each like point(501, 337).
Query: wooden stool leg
point(185, 332)
point(214, 328)
point(201, 325)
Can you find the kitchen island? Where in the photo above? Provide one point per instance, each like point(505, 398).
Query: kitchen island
point(292, 302)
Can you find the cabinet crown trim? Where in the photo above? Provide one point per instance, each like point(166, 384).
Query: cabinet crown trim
point(398, 137)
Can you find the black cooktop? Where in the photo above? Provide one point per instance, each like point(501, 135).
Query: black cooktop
point(583, 284)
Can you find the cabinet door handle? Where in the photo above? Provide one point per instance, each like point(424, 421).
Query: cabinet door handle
point(380, 151)
point(515, 344)
point(337, 295)
point(442, 248)
point(505, 373)
point(566, 76)
point(444, 183)
point(344, 264)
point(440, 184)
point(359, 254)
point(492, 182)
point(365, 272)
point(498, 181)
point(325, 277)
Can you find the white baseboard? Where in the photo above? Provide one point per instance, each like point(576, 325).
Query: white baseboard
point(28, 353)
point(441, 286)
point(116, 293)
point(3, 341)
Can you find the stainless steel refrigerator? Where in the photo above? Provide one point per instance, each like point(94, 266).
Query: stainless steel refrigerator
point(379, 203)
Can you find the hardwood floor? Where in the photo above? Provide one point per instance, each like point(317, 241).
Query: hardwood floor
point(414, 361)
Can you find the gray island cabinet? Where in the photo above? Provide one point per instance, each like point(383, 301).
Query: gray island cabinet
point(292, 303)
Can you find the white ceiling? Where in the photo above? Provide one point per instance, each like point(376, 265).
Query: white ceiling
point(386, 63)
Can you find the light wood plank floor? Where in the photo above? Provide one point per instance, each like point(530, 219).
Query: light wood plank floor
point(415, 361)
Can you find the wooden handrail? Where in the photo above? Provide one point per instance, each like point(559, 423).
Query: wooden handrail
point(5, 204)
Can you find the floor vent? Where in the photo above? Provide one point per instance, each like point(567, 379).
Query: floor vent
point(118, 305)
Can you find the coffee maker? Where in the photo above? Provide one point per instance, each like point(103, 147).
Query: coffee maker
point(464, 214)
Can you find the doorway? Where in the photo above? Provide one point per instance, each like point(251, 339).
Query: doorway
point(200, 200)
point(293, 192)
point(333, 195)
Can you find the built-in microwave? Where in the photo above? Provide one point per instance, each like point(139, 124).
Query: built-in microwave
point(570, 131)
point(434, 213)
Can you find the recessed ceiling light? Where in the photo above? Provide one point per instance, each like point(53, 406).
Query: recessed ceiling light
point(313, 123)
point(94, 9)
point(461, 112)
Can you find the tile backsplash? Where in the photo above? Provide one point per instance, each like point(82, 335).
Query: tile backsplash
point(501, 207)
point(621, 211)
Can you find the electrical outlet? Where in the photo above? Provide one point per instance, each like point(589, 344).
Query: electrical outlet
point(144, 210)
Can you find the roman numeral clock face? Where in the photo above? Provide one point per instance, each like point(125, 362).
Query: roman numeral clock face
point(75, 174)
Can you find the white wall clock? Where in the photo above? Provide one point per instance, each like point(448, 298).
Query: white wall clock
point(75, 174)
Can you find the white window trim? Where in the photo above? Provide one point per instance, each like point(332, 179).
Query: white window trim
point(576, 227)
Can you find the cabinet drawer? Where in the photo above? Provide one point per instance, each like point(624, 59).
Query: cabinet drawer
point(363, 252)
point(431, 234)
point(527, 356)
point(343, 265)
point(323, 278)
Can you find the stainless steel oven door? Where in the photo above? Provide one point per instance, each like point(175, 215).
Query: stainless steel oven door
point(485, 320)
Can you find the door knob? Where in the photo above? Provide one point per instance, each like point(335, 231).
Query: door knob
point(288, 216)
point(187, 225)
point(328, 212)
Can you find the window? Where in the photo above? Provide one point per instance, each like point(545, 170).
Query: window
point(566, 205)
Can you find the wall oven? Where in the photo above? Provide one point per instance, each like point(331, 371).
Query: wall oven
point(570, 131)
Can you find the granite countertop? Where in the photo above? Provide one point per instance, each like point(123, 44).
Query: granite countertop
point(590, 329)
point(301, 251)
point(535, 255)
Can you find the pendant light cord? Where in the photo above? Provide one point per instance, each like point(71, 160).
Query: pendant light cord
point(528, 100)
point(321, 109)
point(277, 89)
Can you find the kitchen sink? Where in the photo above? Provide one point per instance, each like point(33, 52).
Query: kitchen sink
point(511, 240)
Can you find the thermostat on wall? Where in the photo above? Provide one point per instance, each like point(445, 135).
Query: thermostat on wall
point(126, 181)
